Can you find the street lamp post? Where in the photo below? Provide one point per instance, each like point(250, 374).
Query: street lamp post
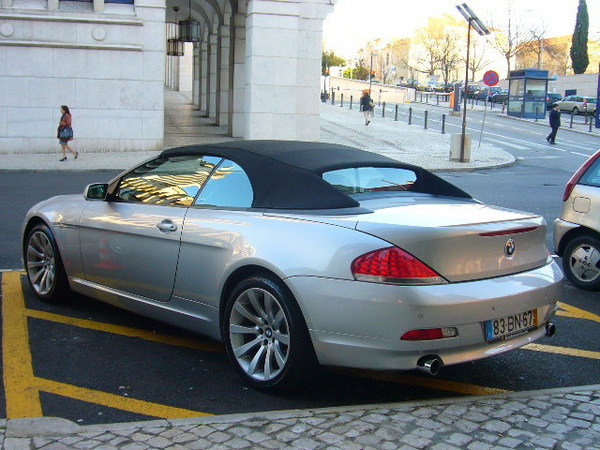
point(482, 30)
point(371, 73)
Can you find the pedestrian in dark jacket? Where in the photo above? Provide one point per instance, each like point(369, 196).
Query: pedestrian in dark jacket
point(367, 106)
point(554, 123)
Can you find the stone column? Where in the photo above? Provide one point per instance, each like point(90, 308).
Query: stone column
point(196, 76)
point(223, 85)
point(213, 43)
point(237, 76)
point(283, 60)
point(204, 63)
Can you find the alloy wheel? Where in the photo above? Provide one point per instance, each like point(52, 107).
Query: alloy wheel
point(41, 263)
point(259, 333)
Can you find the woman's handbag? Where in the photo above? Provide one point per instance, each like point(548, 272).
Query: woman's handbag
point(65, 133)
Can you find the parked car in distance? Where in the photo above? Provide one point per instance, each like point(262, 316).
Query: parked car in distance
point(500, 97)
point(487, 93)
point(298, 253)
point(577, 230)
point(578, 104)
point(551, 99)
point(472, 89)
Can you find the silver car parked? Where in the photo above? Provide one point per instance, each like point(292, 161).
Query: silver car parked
point(577, 230)
point(295, 253)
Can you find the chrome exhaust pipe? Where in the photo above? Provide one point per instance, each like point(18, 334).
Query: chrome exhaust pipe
point(550, 329)
point(430, 364)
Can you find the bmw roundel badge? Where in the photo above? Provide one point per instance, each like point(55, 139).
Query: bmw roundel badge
point(510, 248)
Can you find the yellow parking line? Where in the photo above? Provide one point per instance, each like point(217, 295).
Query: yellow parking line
point(22, 399)
point(425, 381)
point(115, 401)
point(563, 351)
point(22, 387)
point(126, 331)
point(571, 311)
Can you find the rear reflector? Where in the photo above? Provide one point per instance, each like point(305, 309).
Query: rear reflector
point(429, 334)
point(395, 266)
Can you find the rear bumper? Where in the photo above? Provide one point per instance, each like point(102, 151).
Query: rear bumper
point(359, 324)
point(561, 228)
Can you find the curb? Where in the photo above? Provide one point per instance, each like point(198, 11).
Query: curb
point(52, 426)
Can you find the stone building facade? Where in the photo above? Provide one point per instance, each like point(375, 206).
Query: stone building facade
point(255, 71)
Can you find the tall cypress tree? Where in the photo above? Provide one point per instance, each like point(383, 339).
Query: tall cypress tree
point(579, 52)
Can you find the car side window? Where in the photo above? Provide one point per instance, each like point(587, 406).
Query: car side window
point(167, 180)
point(228, 187)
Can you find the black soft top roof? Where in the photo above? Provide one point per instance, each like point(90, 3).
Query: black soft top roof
point(288, 174)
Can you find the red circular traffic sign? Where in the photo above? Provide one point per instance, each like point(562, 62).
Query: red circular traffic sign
point(491, 78)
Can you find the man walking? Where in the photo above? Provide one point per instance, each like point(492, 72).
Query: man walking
point(554, 123)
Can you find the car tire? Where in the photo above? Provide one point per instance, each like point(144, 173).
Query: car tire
point(266, 337)
point(43, 264)
point(581, 262)
point(575, 110)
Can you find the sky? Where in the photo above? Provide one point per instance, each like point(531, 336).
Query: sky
point(354, 22)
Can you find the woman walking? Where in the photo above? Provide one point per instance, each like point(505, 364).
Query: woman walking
point(367, 106)
point(65, 132)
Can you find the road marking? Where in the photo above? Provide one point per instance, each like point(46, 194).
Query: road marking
point(518, 147)
point(571, 311)
point(126, 331)
point(426, 382)
point(563, 351)
point(580, 154)
point(23, 388)
point(115, 401)
point(22, 400)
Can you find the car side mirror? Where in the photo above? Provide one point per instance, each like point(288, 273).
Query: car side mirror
point(96, 191)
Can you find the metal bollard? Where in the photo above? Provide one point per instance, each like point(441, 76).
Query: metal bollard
point(351, 101)
point(342, 100)
point(396, 115)
point(591, 123)
point(571, 126)
point(332, 97)
point(443, 123)
point(437, 99)
point(426, 115)
point(537, 111)
point(410, 115)
point(383, 110)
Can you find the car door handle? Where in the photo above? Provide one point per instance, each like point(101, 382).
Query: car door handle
point(166, 226)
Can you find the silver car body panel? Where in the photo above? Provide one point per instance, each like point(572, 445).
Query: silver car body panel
point(116, 253)
point(582, 209)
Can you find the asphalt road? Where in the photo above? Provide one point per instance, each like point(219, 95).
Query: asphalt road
point(91, 363)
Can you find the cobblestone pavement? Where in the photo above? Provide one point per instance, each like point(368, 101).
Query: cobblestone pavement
point(566, 418)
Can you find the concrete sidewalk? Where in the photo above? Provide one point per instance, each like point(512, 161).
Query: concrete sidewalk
point(553, 419)
point(185, 125)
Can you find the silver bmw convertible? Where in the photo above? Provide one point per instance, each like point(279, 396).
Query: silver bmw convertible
point(296, 254)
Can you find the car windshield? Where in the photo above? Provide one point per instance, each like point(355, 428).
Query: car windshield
point(361, 180)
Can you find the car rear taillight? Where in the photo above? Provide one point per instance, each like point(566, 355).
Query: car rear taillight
point(395, 266)
point(577, 176)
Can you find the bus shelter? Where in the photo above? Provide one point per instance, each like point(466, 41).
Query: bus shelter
point(528, 89)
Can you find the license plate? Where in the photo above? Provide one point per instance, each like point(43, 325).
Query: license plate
point(510, 326)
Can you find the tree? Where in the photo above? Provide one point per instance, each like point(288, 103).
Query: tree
point(579, 51)
point(329, 60)
point(512, 41)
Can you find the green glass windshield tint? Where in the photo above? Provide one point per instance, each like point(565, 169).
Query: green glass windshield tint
point(358, 180)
